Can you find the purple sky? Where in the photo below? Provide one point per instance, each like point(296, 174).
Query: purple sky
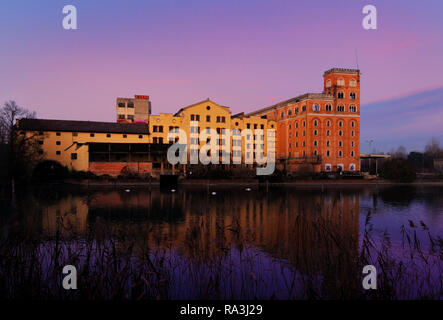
point(242, 54)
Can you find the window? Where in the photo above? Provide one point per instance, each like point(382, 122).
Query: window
point(289, 112)
point(328, 123)
point(340, 166)
point(255, 126)
point(328, 143)
point(315, 123)
point(352, 167)
point(58, 153)
point(315, 132)
point(340, 124)
point(125, 136)
point(248, 125)
point(340, 133)
point(316, 107)
point(58, 143)
point(303, 108)
point(341, 82)
point(121, 104)
point(160, 140)
point(108, 135)
point(328, 153)
point(340, 95)
point(352, 153)
point(57, 134)
point(304, 123)
point(296, 110)
point(262, 126)
point(341, 108)
point(328, 132)
point(352, 124)
point(130, 104)
point(223, 119)
point(352, 96)
point(40, 142)
point(328, 83)
point(282, 114)
point(340, 153)
point(328, 167)
point(352, 144)
point(92, 135)
point(315, 143)
point(73, 156)
point(352, 83)
point(352, 109)
point(121, 116)
point(208, 108)
point(74, 134)
point(340, 143)
point(140, 136)
point(208, 118)
point(352, 133)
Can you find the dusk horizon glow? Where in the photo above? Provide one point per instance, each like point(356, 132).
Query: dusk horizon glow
point(244, 55)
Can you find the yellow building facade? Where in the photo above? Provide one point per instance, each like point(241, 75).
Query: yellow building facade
point(121, 147)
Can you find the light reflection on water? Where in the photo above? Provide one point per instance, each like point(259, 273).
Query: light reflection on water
point(272, 237)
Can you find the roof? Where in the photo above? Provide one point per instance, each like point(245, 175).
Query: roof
point(197, 103)
point(306, 96)
point(81, 126)
point(342, 70)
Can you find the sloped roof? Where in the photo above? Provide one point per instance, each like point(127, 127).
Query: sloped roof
point(197, 103)
point(81, 126)
point(306, 96)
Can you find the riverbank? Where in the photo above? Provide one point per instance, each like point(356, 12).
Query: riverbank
point(251, 182)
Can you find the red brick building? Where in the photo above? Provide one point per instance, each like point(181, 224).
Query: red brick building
point(320, 131)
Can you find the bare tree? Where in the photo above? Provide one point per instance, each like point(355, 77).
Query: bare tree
point(18, 152)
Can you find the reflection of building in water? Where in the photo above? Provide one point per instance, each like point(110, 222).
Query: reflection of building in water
point(311, 229)
point(67, 217)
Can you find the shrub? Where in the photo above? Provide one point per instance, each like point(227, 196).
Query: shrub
point(49, 170)
point(398, 169)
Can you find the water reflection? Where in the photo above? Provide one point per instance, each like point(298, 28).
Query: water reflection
point(312, 235)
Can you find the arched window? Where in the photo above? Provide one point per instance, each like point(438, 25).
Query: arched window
point(340, 95)
point(340, 124)
point(315, 132)
point(315, 123)
point(352, 96)
point(328, 132)
point(352, 124)
point(315, 152)
point(328, 107)
point(315, 143)
point(352, 109)
point(328, 123)
point(316, 107)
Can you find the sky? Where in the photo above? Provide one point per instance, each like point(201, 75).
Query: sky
point(242, 54)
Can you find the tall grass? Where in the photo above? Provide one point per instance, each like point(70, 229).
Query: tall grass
point(127, 261)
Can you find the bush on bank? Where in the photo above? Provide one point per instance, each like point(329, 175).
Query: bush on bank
point(398, 169)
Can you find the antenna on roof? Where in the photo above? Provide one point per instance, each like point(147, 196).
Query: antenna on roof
point(356, 58)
